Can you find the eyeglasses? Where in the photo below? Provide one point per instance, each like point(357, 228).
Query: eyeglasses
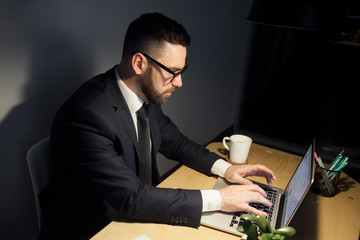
point(174, 74)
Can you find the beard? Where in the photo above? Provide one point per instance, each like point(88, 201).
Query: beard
point(151, 94)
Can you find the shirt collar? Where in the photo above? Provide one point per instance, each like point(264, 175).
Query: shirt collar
point(133, 101)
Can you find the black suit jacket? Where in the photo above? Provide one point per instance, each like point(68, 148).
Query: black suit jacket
point(94, 144)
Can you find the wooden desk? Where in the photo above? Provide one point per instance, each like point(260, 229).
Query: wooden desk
point(313, 220)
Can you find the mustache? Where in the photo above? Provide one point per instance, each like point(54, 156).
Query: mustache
point(170, 90)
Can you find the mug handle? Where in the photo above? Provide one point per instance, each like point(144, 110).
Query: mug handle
point(224, 142)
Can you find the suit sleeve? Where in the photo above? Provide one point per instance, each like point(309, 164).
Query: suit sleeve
point(176, 146)
point(84, 141)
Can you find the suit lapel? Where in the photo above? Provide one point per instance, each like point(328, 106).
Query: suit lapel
point(119, 104)
point(122, 111)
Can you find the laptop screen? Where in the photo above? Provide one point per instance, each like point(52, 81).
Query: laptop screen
point(298, 186)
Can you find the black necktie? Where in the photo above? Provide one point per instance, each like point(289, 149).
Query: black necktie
point(144, 145)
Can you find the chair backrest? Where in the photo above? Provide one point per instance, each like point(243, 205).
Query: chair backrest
point(40, 167)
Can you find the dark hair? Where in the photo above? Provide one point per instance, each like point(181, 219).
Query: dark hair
point(150, 31)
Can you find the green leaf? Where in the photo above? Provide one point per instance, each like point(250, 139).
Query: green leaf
point(266, 236)
point(277, 237)
point(250, 230)
point(261, 222)
point(240, 228)
point(248, 217)
point(286, 231)
point(268, 226)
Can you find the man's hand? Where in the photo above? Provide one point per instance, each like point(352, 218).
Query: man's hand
point(237, 173)
point(238, 197)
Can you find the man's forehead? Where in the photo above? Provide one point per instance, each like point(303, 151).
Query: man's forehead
point(174, 55)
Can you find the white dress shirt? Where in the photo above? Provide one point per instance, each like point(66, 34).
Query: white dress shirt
point(211, 199)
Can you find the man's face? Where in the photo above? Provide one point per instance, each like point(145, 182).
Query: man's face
point(155, 83)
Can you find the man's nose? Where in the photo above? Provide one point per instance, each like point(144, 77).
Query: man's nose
point(177, 81)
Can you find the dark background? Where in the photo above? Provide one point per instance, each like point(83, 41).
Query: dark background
point(301, 76)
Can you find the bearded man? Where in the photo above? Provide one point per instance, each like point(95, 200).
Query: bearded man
point(106, 136)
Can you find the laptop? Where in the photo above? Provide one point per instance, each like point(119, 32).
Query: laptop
point(285, 202)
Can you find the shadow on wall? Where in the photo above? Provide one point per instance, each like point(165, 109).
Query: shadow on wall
point(58, 65)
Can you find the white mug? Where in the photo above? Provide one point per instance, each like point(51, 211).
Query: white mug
point(239, 147)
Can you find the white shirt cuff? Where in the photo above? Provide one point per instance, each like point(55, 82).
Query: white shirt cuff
point(211, 200)
point(220, 166)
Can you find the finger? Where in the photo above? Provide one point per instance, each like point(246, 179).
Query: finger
point(261, 199)
point(266, 203)
point(260, 171)
point(268, 179)
point(264, 171)
point(256, 188)
point(244, 181)
point(255, 211)
point(272, 177)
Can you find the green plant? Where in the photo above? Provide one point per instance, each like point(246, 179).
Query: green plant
point(258, 228)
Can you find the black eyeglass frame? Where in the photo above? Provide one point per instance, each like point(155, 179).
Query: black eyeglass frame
point(175, 74)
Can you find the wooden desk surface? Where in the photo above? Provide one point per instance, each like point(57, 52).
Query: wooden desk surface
point(313, 220)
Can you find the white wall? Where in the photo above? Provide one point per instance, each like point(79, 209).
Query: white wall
point(48, 48)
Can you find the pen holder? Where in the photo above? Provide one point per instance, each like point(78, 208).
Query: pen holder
point(325, 182)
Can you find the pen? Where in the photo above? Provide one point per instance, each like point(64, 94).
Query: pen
point(324, 175)
point(339, 165)
point(326, 178)
point(318, 160)
point(336, 160)
point(333, 174)
point(343, 164)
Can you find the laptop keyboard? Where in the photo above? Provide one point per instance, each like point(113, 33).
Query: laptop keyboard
point(271, 196)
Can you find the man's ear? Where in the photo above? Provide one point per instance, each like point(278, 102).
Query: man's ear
point(138, 63)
